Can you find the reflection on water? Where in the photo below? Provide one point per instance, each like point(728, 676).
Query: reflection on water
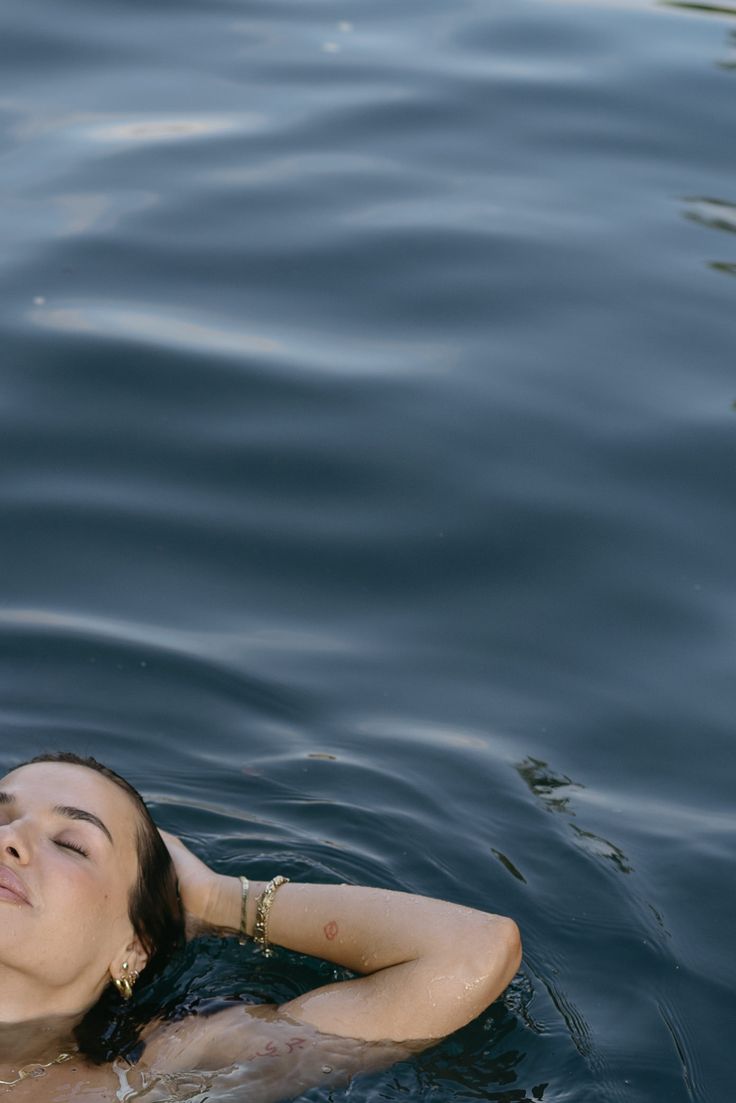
point(173, 129)
point(704, 9)
point(299, 350)
point(80, 213)
point(603, 848)
point(717, 214)
point(104, 127)
point(135, 323)
point(546, 784)
point(509, 865)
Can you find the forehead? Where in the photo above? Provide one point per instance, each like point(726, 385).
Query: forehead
point(47, 784)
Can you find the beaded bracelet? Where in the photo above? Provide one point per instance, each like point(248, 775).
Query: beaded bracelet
point(263, 907)
point(244, 885)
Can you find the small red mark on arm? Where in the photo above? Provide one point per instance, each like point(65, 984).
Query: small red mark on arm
point(330, 930)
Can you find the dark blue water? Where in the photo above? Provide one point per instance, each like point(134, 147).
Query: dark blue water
point(367, 474)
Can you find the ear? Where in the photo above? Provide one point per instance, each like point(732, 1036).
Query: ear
point(134, 955)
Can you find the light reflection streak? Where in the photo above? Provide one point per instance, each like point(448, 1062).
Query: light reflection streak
point(169, 129)
point(170, 330)
point(209, 647)
point(688, 6)
point(81, 212)
point(108, 128)
point(300, 349)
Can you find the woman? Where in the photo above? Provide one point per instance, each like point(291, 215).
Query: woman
point(89, 913)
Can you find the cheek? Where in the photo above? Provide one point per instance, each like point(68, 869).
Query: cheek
point(86, 933)
point(89, 909)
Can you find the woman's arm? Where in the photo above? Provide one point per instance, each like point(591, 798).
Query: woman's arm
point(428, 966)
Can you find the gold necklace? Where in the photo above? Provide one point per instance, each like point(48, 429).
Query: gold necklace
point(36, 1068)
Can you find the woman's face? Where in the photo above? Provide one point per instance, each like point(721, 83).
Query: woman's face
point(68, 861)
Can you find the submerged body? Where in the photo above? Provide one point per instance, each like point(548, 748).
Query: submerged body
point(257, 1049)
point(83, 905)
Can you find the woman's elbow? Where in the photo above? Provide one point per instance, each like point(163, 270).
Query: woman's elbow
point(512, 941)
point(503, 950)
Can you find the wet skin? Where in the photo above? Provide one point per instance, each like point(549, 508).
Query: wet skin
point(67, 863)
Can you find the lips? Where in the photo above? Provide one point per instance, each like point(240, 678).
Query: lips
point(12, 884)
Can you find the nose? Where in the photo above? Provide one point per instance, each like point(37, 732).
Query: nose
point(13, 845)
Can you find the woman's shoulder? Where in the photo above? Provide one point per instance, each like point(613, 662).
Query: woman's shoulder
point(224, 1044)
point(260, 1046)
point(219, 1032)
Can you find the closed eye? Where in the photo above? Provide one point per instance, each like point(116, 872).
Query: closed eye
point(72, 846)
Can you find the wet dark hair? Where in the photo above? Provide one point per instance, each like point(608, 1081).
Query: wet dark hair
point(110, 1028)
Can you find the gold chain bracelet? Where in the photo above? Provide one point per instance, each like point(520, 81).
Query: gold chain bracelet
point(263, 907)
point(244, 886)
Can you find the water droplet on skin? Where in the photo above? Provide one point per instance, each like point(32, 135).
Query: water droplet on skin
point(326, 1068)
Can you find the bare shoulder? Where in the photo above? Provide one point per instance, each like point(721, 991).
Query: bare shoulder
point(259, 1046)
point(226, 1046)
point(221, 1032)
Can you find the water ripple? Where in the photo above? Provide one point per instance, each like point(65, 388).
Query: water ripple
point(296, 351)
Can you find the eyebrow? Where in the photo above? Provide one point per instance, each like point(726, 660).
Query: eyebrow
point(79, 814)
point(69, 813)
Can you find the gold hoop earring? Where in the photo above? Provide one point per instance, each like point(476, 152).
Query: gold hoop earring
point(124, 984)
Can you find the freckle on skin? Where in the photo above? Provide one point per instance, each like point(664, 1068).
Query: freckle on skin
point(330, 930)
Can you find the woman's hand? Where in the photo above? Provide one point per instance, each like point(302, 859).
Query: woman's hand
point(209, 898)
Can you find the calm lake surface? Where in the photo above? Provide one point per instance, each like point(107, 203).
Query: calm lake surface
point(367, 479)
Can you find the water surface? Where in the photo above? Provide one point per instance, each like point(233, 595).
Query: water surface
point(367, 478)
